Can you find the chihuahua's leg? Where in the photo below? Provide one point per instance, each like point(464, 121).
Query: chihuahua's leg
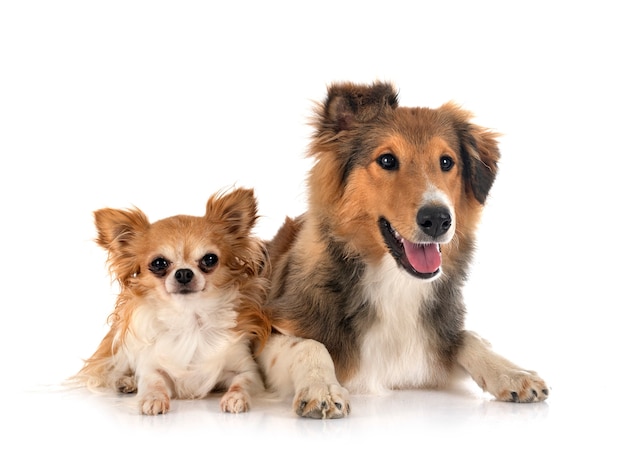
point(245, 381)
point(497, 375)
point(303, 367)
point(154, 392)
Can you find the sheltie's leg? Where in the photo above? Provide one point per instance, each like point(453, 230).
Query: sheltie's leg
point(497, 375)
point(304, 368)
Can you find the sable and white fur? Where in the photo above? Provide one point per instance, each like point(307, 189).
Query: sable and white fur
point(189, 308)
point(366, 289)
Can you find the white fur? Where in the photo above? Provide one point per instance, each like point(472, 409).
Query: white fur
point(394, 350)
point(188, 344)
point(303, 367)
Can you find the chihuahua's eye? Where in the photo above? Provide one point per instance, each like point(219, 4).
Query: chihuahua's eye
point(159, 266)
point(208, 261)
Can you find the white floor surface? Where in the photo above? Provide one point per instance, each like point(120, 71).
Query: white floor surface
point(415, 423)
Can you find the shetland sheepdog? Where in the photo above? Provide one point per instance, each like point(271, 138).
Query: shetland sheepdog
point(189, 313)
point(366, 285)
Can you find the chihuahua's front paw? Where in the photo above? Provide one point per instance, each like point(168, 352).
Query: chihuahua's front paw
point(322, 401)
point(235, 402)
point(155, 403)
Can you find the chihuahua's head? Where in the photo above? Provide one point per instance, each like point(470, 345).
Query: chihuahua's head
point(182, 256)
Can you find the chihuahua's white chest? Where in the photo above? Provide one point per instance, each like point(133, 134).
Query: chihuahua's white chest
point(191, 341)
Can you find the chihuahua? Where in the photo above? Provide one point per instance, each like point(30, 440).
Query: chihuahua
point(188, 317)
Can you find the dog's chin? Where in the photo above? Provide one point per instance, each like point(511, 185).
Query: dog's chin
point(421, 260)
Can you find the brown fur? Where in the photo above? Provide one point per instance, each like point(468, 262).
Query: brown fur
point(349, 191)
point(235, 282)
point(321, 258)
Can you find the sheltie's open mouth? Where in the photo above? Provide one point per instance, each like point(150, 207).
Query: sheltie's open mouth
point(422, 260)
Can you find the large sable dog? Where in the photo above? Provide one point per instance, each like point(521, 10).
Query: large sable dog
point(374, 269)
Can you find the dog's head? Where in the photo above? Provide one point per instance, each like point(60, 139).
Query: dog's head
point(408, 181)
point(182, 257)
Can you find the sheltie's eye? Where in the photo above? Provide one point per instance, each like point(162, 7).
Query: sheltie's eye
point(446, 163)
point(208, 261)
point(388, 161)
point(158, 266)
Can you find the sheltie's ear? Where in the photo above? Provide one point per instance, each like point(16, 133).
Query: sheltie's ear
point(479, 152)
point(348, 104)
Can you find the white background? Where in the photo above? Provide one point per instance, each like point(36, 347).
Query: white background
point(160, 104)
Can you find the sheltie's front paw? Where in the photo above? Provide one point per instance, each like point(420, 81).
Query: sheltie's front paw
point(322, 401)
point(519, 386)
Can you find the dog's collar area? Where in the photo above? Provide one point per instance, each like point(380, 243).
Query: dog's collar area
point(422, 260)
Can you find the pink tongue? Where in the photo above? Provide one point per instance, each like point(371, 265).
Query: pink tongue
point(424, 257)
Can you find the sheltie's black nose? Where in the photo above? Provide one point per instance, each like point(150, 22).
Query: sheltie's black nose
point(434, 220)
point(183, 276)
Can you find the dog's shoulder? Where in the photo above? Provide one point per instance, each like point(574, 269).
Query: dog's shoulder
point(284, 239)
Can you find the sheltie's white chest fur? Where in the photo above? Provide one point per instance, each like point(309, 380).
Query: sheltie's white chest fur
point(191, 341)
point(395, 349)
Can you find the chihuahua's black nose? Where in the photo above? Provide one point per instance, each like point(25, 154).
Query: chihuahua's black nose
point(183, 276)
point(434, 220)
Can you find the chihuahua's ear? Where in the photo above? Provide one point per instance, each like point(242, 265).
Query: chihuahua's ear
point(117, 233)
point(236, 211)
